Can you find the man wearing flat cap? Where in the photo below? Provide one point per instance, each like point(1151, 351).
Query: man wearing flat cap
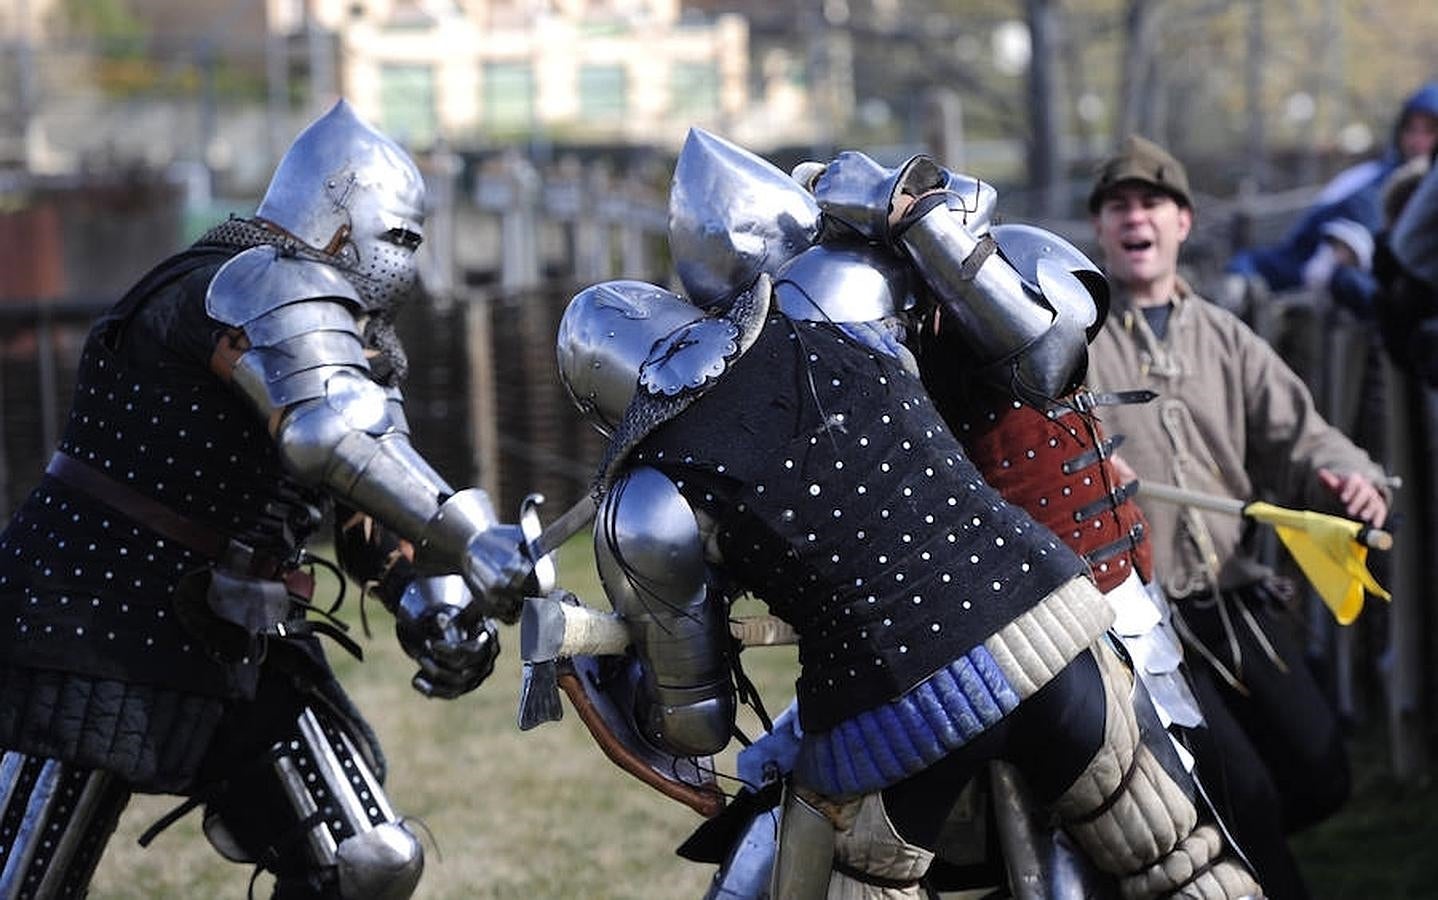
point(1232, 420)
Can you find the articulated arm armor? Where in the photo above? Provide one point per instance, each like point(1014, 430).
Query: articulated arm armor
point(1023, 338)
point(336, 428)
point(651, 559)
point(1013, 290)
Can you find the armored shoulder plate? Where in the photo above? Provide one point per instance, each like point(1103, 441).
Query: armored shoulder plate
point(606, 334)
point(842, 284)
point(647, 545)
point(650, 556)
point(262, 279)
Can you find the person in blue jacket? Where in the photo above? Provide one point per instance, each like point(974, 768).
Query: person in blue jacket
point(1355, 194)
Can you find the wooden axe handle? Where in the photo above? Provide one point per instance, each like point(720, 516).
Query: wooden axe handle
point(706, 800)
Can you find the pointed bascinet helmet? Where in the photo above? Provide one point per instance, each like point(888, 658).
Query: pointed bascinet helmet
point(733, 215)
point(354, 194)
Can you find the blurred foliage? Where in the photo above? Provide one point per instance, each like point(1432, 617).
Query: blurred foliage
point(109, 22)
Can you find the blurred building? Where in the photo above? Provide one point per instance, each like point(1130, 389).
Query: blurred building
point(603, 70)
point(209, 82)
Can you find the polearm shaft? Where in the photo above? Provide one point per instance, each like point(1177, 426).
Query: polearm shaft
point(1181, 497)
point(551, 630)
point(1368, 536)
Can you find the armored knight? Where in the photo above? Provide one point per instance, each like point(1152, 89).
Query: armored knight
point(939, 626)
point(156, 634)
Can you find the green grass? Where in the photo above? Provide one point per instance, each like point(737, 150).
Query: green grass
point(543, 814)
point(537, 814)
point(1383, 843)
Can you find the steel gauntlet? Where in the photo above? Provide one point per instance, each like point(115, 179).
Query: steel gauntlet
point(455, 656)
point(465, 536)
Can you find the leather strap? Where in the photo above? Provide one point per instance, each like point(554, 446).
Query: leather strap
point(1099, 452)
point(1114, 548)
point(1112, 500)
point(969, 269)
point(146, 510)
point(1083, 401)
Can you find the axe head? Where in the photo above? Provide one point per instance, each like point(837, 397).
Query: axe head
point(542, 626)
point(539, 695)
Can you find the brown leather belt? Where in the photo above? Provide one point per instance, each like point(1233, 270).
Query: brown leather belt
point(172, 526)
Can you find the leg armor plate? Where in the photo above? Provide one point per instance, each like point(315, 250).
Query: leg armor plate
point(55, 820)
point(805, 855)
point(747, 870)
point(331, 830)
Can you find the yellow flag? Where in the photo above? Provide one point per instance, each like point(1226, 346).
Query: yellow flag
point(1325, 549)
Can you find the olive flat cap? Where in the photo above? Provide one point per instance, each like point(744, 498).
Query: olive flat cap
point(1141, 160)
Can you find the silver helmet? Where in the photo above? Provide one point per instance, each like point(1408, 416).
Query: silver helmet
point(352, 193)
point(606, 335)
point(733, 215)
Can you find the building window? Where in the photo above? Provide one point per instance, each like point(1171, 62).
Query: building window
point(508, 96)
point(694, 89)
point(602, 93)
point(407, 104)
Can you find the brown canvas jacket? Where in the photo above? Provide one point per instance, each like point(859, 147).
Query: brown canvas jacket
point(1231, 419)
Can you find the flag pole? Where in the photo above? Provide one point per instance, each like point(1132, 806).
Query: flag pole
point(1374, 538)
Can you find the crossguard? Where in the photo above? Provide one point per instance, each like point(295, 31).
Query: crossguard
point(545, 575)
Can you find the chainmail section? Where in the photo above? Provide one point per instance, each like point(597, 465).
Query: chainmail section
point(247, 233)
point(391, 365)
point(647, 411)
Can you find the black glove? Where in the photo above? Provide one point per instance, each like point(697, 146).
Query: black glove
point(454, 658)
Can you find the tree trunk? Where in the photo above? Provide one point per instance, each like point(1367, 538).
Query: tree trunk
point(1139, 80)
point(1046, 151)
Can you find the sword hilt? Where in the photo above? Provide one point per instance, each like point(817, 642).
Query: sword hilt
point(544, 574)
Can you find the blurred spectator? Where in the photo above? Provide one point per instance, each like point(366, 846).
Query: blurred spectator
point(1352, 282)
point(1407, 270)
point(1355, 194)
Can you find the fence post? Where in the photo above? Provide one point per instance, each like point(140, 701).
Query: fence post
point(513, 195)
point(592, 238)
point(483, 422)
point(1404, 653)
